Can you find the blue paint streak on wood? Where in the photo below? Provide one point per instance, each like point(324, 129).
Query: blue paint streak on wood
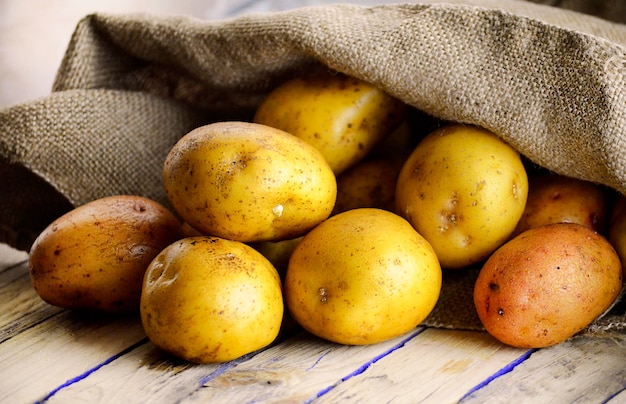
point(615, 394)
point(318, 360)
point(223, 367)
point(90, 371)
point(367, 364)
point(508, 368)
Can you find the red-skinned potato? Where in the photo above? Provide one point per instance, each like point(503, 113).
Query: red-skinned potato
point(95, 256)
point(547, 284)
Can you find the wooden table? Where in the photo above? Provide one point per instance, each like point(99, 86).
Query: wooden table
point(56, 356)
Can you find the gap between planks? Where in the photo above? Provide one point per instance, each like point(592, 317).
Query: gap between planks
point(300, 369)
point(48, 353)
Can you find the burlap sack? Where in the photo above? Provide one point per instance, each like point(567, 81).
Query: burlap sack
point(551, 82)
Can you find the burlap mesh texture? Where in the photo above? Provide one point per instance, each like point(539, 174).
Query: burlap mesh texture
point(551, 82)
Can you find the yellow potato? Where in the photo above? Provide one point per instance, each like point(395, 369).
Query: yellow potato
point(94, 257)
point(369, 184)
point(248, 182)
point(189, 231)
point(617, 229)
point(464, 190)
point(278, 252)
point(547, 284)
point(554, 198)
point(343, 117)
point(207, 300)
point(362, 277)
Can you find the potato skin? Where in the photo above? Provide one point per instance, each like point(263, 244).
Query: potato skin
point(248, 182)
point(278, 252)
point(341, 116)
point(94, 257)
point(554, 198)
point(369, 184)
point(362, 277)
point(208, 300)
point(617, 229)
point(547, 284)
point(463, 189)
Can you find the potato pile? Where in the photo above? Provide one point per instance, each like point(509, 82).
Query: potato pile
point(337, 209)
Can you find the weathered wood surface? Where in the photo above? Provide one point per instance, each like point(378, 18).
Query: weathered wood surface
point(56, 356)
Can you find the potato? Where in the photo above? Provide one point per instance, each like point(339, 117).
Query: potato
point(248, 182)
point(278, 252)
point(547, 284)
point(362, 277)
point(369, 184)
point(207, 300)
point(617, 229)
point(464, 190)
point(94, 257)
point(189, 231)
point(554, 198)
point(343, 117)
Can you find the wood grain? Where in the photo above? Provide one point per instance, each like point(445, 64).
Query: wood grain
point(439, 367)
point(294, 370)
point(65, 346)
point(20, 307)
point(580, 370)
point(56, 356)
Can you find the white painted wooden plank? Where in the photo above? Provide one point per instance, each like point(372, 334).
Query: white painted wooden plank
point(41, 358)
point(297, 370)
point(294, 370)
point(580, 370)
point(438, 367)
point(143, 375)
point(20, 306)
point(619, 397)
point(42, 348)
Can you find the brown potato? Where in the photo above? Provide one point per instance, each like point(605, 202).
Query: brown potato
point(94, 257)
point(554, 198)
point(547, 284)
point(617, 229)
